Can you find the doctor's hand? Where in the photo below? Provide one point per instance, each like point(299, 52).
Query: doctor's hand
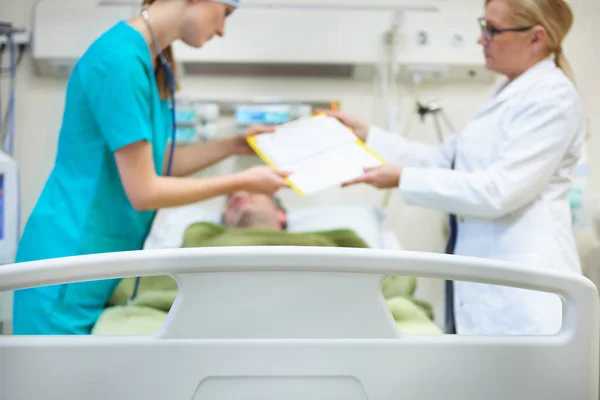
point(360, 129)
point(263, 179)
point(240, 145)
point(382, 177)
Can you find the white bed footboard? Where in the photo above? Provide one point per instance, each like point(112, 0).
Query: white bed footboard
point(299, 323)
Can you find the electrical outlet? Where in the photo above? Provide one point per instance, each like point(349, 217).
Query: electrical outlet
point(457, 40)
point(422, 38)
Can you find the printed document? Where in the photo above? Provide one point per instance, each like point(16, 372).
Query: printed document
point(319, 152)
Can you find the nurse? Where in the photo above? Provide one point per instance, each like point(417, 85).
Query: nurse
point(109, 173)
point(505, 177)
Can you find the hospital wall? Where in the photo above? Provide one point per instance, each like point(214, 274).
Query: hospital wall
point(40, 105)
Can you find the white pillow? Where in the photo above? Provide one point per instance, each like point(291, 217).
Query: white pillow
point(170, 224)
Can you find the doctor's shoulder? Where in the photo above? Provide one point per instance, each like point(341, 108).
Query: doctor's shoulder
point(548, 110)
point(557, 88)
point(554, 94)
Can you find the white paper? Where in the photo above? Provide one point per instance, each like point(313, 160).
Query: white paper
point(305, 138)
point(319, 153)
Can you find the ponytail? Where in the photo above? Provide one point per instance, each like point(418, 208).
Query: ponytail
point(562, 63)
point(160, 73)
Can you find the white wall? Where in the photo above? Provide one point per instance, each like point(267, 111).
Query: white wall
point(40, 104)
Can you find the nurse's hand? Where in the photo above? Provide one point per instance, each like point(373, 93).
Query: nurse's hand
point(383, 177)
point(360, 129)
point(263, 179)
point(240, 145)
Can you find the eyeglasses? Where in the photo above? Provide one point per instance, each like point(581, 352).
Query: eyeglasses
point(489, 31)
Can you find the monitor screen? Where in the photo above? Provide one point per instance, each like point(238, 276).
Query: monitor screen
point(249, 117)
point(185, 117)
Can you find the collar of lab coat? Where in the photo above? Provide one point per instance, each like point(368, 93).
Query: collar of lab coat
point(521, 83)
point(525, 80)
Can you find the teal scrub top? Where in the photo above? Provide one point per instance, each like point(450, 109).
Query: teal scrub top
point(112, 101)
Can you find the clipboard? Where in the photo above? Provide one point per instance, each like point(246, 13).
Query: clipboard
point(326, 155)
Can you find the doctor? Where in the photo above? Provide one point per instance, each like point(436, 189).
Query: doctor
point(113, 168)
point(504, 179)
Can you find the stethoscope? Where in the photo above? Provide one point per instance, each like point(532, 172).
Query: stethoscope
point(170, 80)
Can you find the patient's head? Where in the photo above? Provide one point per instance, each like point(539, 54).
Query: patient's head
point(254, 210)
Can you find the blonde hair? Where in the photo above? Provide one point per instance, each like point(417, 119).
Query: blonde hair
point(555, 16)
point(161, 74)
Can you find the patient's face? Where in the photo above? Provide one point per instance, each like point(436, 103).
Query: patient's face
point(253, 210)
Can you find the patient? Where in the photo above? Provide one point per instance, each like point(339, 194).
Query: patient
point(249, 219)
point(253, 210)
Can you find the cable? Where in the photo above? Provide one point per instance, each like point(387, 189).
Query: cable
point(393, 63)
point(2, 49)
point(172, 84)
point(7, 120)
point(416, 80)
point(13, 95)
point(10, 137)
point(10, 117)
point(390, 82)
point(22, 49)
point(172, 87)
point(380, 82)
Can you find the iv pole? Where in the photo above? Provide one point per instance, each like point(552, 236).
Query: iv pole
point(437, 113)
point(7, 32)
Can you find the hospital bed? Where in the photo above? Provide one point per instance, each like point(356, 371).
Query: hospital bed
point(230, 333)
point(367, 220)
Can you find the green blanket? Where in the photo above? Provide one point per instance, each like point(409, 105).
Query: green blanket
point(146, 314)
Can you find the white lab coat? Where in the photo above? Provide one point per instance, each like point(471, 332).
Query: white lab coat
point(509, 191)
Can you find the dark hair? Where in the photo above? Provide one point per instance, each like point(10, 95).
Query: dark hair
point(279, 204)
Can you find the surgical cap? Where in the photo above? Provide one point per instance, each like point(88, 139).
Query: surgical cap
point(233, 3)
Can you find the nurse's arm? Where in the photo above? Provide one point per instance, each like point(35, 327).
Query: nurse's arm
point(148, 191)
point(535, 143)
point(396, 149)
point(191, 159)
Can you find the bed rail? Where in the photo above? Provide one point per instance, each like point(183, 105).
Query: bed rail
point(297, 322)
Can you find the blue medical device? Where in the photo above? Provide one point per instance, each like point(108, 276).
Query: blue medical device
point(262, 116)
point(171, 83)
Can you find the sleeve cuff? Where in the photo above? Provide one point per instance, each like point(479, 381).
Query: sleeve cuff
point(386, 144)
point(411, 184)
point(376, 139)
point(115, 146)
